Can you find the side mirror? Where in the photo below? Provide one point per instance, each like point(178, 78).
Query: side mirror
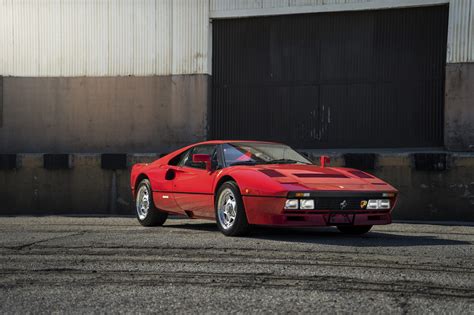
point(203, 158)
point(325, 160)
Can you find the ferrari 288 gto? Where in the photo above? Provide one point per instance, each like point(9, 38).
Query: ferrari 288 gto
point(244, 183)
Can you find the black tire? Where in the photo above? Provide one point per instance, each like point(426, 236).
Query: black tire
point(154, 216)
point(240, 226)
point(354, 229)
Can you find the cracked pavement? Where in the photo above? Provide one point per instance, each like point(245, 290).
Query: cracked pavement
point(105, 264)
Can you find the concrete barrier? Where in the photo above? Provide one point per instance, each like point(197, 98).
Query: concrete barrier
point(86, 188)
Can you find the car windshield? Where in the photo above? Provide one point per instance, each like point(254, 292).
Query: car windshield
point(252, 153)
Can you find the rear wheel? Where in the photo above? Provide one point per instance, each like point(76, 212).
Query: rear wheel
point(230, 213)
point(354, 230)
point(147, 213)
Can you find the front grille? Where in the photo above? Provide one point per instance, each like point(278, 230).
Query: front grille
point(338, 203)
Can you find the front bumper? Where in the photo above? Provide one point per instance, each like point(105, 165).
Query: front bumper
point(269, 211)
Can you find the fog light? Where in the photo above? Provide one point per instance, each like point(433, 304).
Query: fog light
point(378, 204)
point(306, 204)
point(291, 204)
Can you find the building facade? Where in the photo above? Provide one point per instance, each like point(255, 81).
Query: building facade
point(137, 76)
point(147, 76)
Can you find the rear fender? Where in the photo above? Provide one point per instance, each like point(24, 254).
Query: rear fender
point(137, 169)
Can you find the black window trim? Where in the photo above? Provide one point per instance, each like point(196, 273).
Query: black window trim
point(219, 156)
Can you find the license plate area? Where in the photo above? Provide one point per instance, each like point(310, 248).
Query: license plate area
point(341, 219)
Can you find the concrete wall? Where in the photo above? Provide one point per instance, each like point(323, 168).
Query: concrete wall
point(428, 195)
point(103, 114)
point(459, 107)
point(86, 188)
point(446, 195)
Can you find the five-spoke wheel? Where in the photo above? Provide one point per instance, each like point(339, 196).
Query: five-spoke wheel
point(226, 208)
point(142, 202)
point(147, 213)
point(230, 212)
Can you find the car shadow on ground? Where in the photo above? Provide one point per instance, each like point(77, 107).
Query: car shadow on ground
point(331, 236)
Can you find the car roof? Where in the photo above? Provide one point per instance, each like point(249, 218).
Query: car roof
point(173, 154)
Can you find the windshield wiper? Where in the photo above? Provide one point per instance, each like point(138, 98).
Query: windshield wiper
point(284, 161)
point(243, 163)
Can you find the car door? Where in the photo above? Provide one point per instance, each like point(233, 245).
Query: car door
point(193, 184)
point(162, 185)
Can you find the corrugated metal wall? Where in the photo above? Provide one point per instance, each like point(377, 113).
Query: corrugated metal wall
point(347, 79)
point(224, 5)
point(460, 46)
point(461, 31)
point(153, 37)
point(103, 38)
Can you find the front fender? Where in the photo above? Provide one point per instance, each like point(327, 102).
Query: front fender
point(254, 183)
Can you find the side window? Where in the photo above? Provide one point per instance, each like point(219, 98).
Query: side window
point(175, 161)
point(201, 149)
point(184, 158)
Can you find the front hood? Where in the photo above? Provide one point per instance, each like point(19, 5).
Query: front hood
point(296, 177)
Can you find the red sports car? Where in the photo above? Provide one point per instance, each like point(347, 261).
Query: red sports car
point(245, 183)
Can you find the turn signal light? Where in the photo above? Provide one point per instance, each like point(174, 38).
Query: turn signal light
point(300, 194)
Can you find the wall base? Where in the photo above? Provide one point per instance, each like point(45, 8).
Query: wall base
point(87, 189)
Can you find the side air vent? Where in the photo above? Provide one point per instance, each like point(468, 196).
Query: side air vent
point(320, 175)
point(272, 173)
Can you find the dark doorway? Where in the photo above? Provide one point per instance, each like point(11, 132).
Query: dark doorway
point(329, 80)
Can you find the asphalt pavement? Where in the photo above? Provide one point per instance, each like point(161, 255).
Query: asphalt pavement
point(84, 265)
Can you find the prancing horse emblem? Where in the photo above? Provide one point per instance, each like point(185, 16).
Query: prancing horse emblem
point(343, 205)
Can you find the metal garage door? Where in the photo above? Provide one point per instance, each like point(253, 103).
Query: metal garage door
point(347, 79)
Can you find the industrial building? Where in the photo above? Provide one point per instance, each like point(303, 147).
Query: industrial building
point(90, 86)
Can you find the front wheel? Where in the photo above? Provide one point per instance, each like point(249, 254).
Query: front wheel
point(354, 229)
point(230, 213)
point(147, 213)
